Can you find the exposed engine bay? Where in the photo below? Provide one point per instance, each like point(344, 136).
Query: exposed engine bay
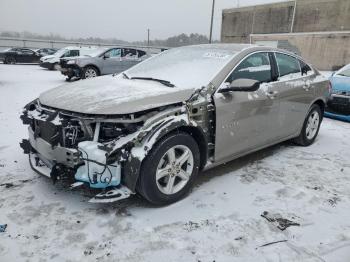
point(99, 151)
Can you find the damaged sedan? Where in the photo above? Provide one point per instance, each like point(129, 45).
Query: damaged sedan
point(151, 129)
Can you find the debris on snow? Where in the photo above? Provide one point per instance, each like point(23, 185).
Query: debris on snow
point(281, 223)
point(274, 242)
point(3, 228)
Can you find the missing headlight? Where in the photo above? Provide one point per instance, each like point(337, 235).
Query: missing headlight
point(110, 131)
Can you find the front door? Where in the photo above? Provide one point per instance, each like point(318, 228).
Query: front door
point(111, 61)
point(28, 56)
point(246, 120)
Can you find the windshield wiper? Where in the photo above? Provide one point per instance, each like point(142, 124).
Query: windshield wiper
point(164, 82)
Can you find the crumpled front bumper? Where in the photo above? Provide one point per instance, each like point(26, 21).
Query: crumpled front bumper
point(70, 72)
point(49, 161)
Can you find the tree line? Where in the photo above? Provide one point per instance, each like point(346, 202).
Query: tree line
point(174, 41)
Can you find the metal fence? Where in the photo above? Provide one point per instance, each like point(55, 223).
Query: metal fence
point(7, 42)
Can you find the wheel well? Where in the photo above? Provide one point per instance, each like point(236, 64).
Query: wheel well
point(98, 70)
point(321, 104)
point(201, 141)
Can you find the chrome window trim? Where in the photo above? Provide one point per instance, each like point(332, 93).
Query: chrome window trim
point(296, 57)
point(240, 61)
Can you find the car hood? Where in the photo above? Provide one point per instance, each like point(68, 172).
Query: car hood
point(340, 83)
point(47, 57)
point(109, 95)
point(75, 57)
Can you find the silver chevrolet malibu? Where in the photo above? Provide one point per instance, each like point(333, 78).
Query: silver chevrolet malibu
point(153, 128)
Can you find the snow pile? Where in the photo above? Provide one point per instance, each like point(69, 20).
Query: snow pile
point(220, 220)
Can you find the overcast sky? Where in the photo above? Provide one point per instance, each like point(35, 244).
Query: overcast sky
point(122, 19)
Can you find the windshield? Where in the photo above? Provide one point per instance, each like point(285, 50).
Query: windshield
point(191, 67)
point(345, 71)
point(61, 52)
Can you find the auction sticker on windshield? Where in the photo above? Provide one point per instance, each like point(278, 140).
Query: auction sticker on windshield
point(216, 55)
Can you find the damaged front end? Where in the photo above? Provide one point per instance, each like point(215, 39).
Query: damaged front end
point(100, 151)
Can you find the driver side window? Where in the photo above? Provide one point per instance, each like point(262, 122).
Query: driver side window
point(255, 67)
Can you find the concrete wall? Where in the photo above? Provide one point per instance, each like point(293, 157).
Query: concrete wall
point(321, 29)
point(239, 23)
point(326, 51)
point(310, 16)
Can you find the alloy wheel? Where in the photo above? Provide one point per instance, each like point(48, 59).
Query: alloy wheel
point(90, 72)
point(312, 125)
point(174, 169)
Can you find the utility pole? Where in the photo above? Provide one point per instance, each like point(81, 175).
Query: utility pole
point(293, 18)
point(148, 37)
point(211, 22)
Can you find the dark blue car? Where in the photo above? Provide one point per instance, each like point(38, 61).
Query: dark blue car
point(338, 106)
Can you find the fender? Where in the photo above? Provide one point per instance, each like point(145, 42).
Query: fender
point(131, 167)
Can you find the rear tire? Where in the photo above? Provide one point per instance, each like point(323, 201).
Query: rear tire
point(168, 172)
point(90, 72)
point(10, 60)
point(311, 127)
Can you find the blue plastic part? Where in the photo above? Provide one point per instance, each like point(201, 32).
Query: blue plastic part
point(95, 171)
point(337, 116)
point(3, 228)
point(109, 178)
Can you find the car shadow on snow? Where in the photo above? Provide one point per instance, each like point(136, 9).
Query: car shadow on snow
point(240, 163)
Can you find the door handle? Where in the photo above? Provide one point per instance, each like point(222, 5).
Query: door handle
point(272, 94)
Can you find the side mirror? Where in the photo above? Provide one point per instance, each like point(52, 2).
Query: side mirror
point(106, 55)
point(241, 85)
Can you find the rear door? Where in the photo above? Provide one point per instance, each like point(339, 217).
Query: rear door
point(245, 120)
point(295, 93)
point(130, 57)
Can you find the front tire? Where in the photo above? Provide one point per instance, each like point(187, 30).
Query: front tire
point(53, 66)
point(10, 60)
point(90, 72)
point(168, 172)
point(311, 127)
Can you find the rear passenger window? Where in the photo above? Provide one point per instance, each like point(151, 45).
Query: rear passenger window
point(141, 53)
point(128, 52)
point(305, 69)
point(256, 67)
point(287, 65)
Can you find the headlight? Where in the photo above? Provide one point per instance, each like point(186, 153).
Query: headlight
point(71, 62)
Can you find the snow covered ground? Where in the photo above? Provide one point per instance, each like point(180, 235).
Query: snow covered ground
point(219, 221)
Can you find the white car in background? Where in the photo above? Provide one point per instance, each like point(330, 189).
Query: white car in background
point(52, 61)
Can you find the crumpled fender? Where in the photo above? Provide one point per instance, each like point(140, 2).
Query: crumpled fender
point(132, 167)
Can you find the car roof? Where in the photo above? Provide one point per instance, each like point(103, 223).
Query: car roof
point(235, 48)
point(81, 47)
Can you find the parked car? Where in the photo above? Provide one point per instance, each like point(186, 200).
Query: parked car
point(19, 55)
point(103, 61)
point(338, 105)
point(51, 62)
point(46, 51)
point(152, 128)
